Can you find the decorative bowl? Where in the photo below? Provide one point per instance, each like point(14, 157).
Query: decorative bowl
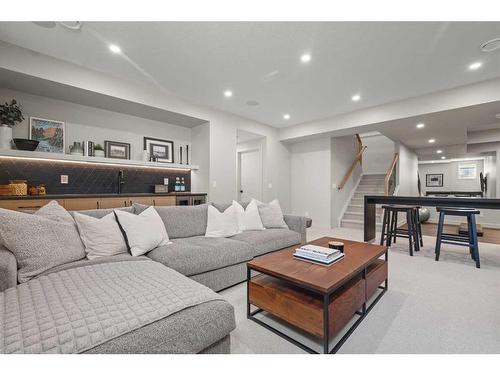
point(25, 144)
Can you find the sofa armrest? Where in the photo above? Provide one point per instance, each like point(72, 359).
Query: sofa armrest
point(8, 269)
point(298, 224)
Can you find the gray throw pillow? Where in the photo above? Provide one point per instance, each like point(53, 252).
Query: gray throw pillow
point(101, 212)
point(271, 214)
point(40, 241)
point(181, 221)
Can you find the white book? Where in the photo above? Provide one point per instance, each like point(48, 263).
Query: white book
point(314, 255)
point(322, 263)
point(320, 250)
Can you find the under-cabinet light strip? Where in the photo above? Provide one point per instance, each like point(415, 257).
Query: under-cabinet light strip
point(95, 162)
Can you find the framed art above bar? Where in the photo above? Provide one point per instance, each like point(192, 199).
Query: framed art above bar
point(161, 149)
point(117, 150)
point(49, 133)
point(434, 180)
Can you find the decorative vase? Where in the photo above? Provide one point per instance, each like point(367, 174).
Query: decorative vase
point(5, 137)
point(99, 153)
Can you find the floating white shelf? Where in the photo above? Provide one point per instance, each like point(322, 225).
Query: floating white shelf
point(91, 159)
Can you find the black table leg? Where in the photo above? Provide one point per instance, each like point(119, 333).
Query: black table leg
point(326, 324)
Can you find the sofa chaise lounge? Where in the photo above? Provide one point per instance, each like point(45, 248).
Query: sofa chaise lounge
point(125, 304)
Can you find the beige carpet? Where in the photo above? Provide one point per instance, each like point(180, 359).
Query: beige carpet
point(431, 307)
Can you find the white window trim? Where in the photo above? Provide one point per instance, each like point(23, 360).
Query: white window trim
point(467, 165)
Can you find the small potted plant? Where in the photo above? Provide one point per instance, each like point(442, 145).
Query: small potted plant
point(10, 115)
point(98, 151)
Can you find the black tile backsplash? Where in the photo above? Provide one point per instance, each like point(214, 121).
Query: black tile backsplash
point(87, 178)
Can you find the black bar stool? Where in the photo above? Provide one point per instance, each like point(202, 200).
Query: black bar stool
point(469, 240)
point(390, 230)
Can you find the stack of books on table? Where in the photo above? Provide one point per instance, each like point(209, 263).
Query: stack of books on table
point(318, 254)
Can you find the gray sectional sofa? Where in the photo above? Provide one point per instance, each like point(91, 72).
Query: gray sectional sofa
point(172, 309)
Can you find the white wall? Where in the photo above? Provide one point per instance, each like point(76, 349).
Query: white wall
point(344, 150)
point(223, 125)
point(89, 123)
point(451, 182)
point(200, 154)
point(407, 171)
point(310, 180)
point(378, 155)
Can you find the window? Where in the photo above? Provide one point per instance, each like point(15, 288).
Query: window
point(467, 171)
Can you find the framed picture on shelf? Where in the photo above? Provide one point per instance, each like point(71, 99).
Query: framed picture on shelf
point(161, 149)
point(49, 133)
point(434, 180)
point(117, 150)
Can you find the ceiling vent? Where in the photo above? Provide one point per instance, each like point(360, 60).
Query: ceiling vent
point(490, 45)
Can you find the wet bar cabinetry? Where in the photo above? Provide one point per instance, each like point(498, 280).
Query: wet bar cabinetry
point(76, 203)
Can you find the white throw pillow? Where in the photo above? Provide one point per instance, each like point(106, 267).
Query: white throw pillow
point(271, 214)
point(249, 218)
point(101, 237)
point(144, 232)
point(221, 224)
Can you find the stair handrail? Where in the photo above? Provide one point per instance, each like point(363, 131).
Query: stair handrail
point(390, 172)
point(357, 159)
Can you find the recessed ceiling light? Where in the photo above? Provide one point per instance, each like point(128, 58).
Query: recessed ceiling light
point(443, 157)
point(475, 65)
point(420, 126)
point(432, 140)
point(305, 58)
point(286, 116)
point(228, 93)
point(439, 151)
point(497, 115)
point(356, 98)
point(114, 48)
point(490, 45)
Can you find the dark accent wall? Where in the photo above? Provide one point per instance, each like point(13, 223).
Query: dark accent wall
point(87, 178)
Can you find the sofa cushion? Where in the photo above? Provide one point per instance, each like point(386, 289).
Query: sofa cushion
point(194, 255)
point(102, 237)
point(265, 241)
point(181, 221)
point(39, 243)
point(101, 212)
point(223, 206)
point(271, 214)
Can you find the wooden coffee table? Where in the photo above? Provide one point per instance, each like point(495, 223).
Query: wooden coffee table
point(319, 300)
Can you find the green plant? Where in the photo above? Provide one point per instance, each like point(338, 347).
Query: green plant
point(10, 114)
point(98, 147)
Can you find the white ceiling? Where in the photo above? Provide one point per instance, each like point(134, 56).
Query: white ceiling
point(449, 128)
point(383, 61)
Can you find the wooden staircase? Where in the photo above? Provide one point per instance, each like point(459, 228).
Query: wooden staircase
point(370, 184)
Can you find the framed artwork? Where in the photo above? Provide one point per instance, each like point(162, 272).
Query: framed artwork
point(49, 133)
point(117, 150)
point(160, 148)
point(434, 180)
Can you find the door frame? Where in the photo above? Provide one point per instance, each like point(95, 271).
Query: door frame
point(238, 170)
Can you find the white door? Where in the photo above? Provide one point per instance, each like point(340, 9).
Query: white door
point(250, 175)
